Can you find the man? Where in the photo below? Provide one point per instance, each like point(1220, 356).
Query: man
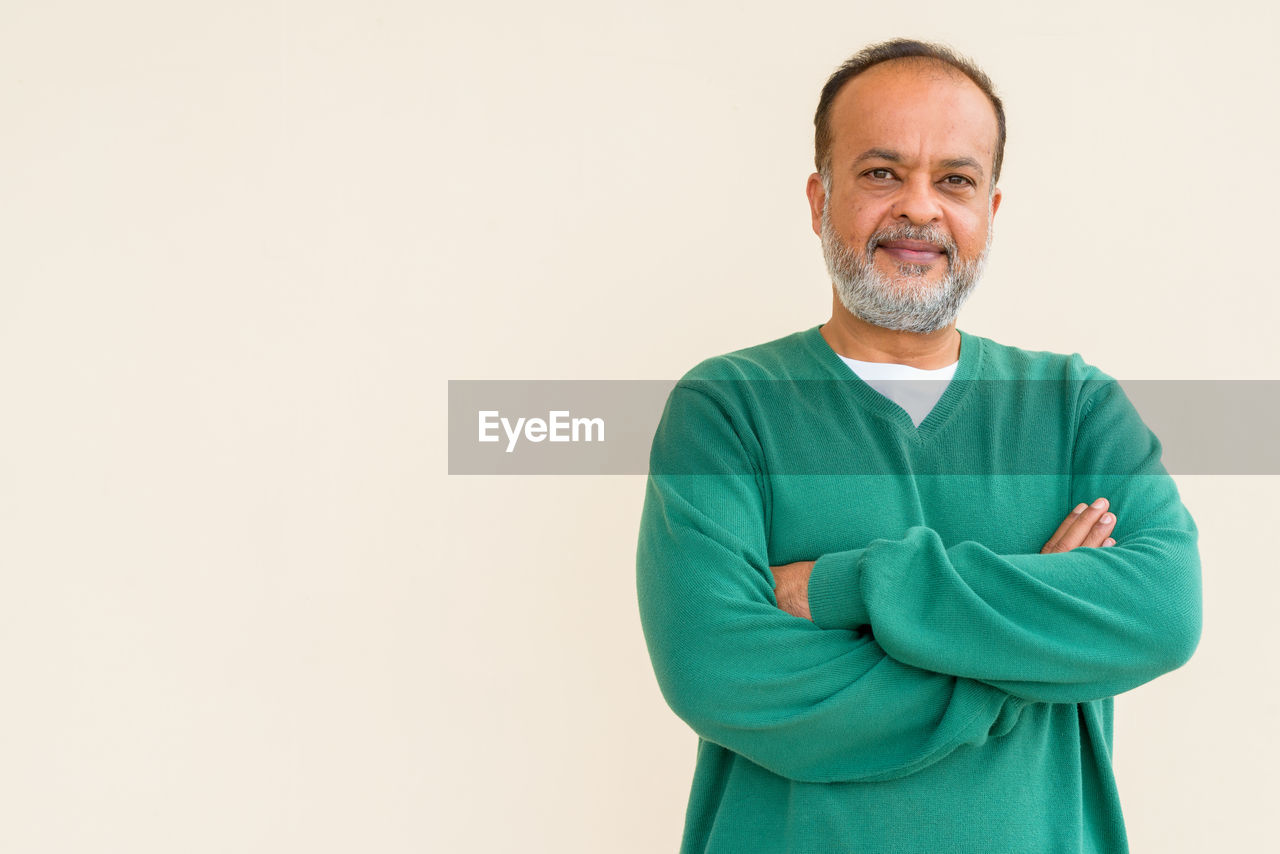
point(896, 612)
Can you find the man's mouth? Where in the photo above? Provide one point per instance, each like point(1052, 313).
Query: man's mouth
point(913, 251)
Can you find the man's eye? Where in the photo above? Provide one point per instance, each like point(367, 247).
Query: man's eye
point(880, 174)
point(958, 181)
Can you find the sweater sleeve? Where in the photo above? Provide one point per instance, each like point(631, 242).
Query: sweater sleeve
point(806, 703)
point(1069, 627)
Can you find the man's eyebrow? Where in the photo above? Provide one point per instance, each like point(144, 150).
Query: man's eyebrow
point(963, 163)
point(879, 154)
point(894, 157)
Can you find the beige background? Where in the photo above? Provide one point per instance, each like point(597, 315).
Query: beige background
point(244, 245)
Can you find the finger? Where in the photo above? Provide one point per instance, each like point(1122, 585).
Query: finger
point(1062, 529)
point(1070, 532)
point(1081, 526)
point(1100, 531)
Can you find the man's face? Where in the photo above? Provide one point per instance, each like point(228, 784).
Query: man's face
point(905, 212)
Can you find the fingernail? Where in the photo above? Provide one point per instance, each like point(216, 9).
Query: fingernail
point(1106, 519)
point(1108, 542)
point(1079, 509)
point(1100, 503)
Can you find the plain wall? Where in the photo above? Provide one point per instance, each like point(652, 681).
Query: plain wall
point(243, 607)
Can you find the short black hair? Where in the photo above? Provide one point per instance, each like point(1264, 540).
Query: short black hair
point(885, 52)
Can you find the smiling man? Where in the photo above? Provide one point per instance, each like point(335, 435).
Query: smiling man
point(893, 573)
point(905, 216)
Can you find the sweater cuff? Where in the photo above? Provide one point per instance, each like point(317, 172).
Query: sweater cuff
point(835, 591)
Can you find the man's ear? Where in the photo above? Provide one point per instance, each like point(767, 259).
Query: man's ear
point(995, 201)
point(817, 198)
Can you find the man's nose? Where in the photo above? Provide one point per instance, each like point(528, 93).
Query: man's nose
point(917, 202)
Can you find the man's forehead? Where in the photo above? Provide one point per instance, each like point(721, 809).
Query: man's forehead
point(905, 97)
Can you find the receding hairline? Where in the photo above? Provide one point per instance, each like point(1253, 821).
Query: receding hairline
point(937, 61)
point(923, 66)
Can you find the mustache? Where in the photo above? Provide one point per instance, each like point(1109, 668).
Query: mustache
point(925, 233)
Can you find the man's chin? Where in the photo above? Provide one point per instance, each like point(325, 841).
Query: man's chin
point(908, 277)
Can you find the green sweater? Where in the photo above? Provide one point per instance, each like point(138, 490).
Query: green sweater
point(952, 693)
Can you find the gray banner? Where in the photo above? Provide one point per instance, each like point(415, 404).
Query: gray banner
point(577, 427)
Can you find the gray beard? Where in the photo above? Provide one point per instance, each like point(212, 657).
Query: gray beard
point(900, 304)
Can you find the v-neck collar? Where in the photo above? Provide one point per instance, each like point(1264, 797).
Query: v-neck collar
point(873, 401)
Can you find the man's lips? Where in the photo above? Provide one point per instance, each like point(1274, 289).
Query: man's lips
point(913, 251)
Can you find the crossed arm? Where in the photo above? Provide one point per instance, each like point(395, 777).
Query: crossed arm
point(1086, 526)
point(961, 638)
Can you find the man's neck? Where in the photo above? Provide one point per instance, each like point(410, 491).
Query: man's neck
point(854, 338)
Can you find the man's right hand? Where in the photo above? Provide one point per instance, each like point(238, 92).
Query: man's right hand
point(1088, 525)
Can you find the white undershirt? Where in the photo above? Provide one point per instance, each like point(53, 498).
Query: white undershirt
point(914, 389)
